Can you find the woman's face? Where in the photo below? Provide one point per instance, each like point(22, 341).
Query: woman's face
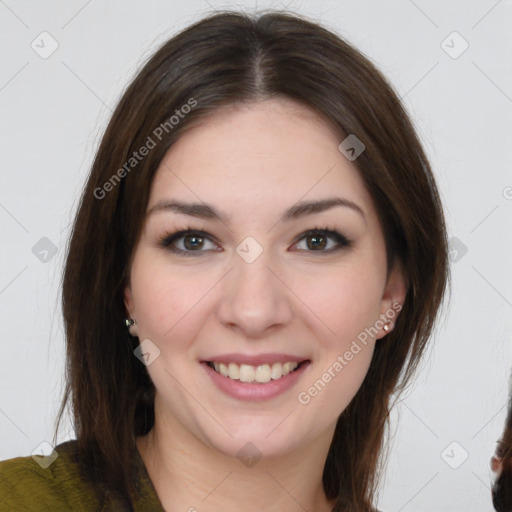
point(253, 290)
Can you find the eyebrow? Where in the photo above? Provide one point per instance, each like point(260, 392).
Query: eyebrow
point(206, 211)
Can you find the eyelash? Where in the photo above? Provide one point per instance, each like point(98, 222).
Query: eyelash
point(168, 239)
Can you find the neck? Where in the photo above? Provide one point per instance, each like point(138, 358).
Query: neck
point(188, 475)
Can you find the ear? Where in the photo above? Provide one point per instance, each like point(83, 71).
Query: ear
point(393, 299)
point(128, 300)
point(128, 303)
point(495, 465)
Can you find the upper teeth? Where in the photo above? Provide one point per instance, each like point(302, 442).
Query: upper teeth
point(248, 373)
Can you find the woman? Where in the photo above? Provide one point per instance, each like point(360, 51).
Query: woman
point(501, 464)
point(261, 216)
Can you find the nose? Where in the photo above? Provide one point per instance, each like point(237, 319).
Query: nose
point(256, 298)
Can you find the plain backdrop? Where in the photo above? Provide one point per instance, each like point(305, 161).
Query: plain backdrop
point(449, 60)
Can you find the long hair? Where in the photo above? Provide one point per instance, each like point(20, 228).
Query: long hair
point(223, 59)
point(502, 487)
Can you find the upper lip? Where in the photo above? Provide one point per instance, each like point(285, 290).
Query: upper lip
point(254, 359)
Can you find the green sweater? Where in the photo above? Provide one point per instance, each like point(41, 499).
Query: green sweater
point(26, 486)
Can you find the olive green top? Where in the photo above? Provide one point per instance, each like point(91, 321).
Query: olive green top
point(26, 485)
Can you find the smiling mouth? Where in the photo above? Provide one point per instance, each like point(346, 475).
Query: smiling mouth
point(255, 374)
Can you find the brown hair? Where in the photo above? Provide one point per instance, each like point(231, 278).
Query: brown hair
point(226, 58)
point(502, 487)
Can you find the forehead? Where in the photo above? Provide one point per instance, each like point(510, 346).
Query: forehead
point(257, 157)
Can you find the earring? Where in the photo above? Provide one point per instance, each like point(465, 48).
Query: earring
point(132, 327)
point(388, 326)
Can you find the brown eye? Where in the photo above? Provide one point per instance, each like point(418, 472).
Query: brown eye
point(317, 242)
point(187, 242)
point(324, 240)
point(192, 242)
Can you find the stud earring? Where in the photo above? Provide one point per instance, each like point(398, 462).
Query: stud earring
point(132, 326)
point(387, 326)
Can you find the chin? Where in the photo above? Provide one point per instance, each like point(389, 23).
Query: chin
point(256, 438)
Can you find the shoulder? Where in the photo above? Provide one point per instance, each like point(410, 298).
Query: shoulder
point(27, 484)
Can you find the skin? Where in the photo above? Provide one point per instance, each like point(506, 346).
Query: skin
point(252, 162)
point(496, 465)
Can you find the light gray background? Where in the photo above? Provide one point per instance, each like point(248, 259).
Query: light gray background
point(53, 112)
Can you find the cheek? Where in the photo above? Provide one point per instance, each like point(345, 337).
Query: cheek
point(338, 377)
point(346, 300)
point(164, 299)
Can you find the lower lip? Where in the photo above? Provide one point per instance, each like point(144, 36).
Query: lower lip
point(254, 392)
